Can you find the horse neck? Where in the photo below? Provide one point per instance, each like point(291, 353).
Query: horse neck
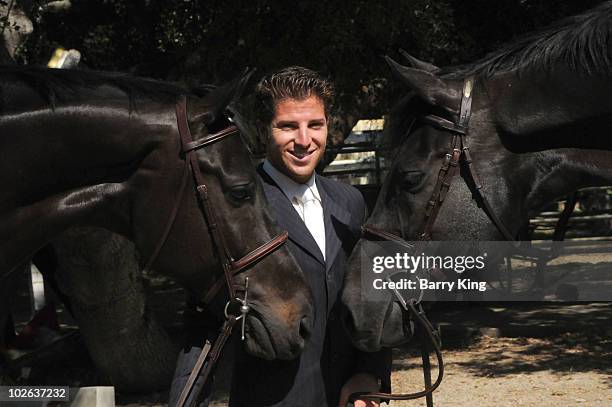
point(540, 110)
point(88, 165)
point(554, 174)
point(520, 184)
point(74, 145)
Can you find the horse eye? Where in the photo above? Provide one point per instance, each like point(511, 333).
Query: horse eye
point(241, 192)
point(411, 179)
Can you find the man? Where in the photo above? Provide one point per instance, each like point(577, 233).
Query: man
point(323, 219)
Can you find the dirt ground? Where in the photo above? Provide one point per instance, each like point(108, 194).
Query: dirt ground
point(568, 370)
point(571, 369)
point(529, 354)
point(563, 357)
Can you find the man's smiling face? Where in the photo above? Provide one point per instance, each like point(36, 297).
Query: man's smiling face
point(299, 136)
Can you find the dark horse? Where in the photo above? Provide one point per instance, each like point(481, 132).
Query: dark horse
point(99, 149)
point(540, 127)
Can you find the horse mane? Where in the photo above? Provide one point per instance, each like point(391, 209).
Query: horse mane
point(51, 84)
point(584, 42)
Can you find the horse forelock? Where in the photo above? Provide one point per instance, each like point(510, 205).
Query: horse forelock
point(398, 123)
point(583, 42)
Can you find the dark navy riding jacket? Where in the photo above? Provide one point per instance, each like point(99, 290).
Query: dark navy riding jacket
point(329, 359)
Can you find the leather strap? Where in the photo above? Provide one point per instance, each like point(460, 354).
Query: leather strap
point(446, 174)
point(202, 193)
point(475, 187)
point(428, 332)
point(193, 376)
point(443, 124)
point(368, 231)
point(213, 138)
point(210, 353)
point(175, 207)
point(247, 261)
point(445, 177)
point(259, 253)
point(459, 155)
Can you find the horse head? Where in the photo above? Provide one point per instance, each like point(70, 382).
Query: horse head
point(107, 153)
point(521, 159)
point(233, 222)
point(419, 148)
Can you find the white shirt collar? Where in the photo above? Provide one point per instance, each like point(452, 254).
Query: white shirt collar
point(289, 187)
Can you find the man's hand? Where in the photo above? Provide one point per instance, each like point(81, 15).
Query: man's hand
point(359, 382)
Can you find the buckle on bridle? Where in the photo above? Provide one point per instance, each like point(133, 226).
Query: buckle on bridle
point(244, 308)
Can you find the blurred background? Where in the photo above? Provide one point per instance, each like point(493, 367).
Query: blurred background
point(197, 41)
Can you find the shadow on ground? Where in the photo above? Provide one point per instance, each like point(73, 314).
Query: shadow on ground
point(570, 338)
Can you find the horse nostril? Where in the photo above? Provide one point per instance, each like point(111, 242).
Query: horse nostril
point(305, 327)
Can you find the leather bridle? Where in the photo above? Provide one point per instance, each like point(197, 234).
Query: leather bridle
point(236, 308)
point(411, 308)
point(458, 156)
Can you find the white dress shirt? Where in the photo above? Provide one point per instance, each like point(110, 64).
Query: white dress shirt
point(305, 199)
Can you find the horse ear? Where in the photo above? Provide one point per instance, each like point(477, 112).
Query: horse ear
point(429, 87)
point(243, 80)
point(417, 63)
point(218, 99)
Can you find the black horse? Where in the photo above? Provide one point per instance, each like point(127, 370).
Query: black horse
point(99, 149)
point(541, 119)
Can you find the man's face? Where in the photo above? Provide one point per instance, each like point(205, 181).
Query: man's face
point(299, 135)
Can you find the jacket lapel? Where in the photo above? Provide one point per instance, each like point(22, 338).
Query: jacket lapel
point(288, 219)
point(334, 215)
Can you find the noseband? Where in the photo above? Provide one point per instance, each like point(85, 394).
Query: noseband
point(236, 308)
point(458, 156)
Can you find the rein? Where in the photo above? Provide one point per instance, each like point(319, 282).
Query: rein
point(459, 155)
point(412, 308)
point(415, 309)
point(237, 307)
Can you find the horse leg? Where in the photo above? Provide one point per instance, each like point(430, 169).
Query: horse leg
point(112, 313)
point(99, 273)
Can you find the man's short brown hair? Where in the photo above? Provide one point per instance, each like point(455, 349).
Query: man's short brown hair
point(294, 82)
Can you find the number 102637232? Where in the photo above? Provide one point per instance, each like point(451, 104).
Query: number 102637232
point(34, 393)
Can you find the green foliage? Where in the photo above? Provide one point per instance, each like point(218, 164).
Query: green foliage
point(211, 41)
point(6, 6)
